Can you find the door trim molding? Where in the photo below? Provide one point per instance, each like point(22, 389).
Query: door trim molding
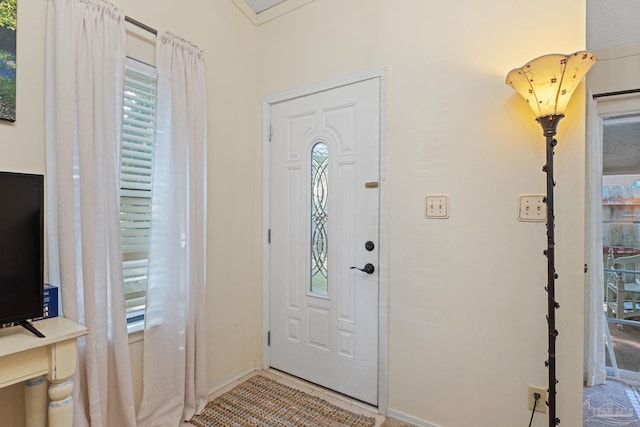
point(380, 73)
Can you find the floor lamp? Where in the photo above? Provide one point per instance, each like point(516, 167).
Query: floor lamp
point(547, 83)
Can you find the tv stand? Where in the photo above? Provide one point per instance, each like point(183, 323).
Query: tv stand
point(29, 327)
point(30, 360)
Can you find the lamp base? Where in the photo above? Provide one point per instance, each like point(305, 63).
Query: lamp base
point(549, 123)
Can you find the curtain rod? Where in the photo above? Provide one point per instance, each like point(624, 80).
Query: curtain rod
point(141, 25)
point(620, 92)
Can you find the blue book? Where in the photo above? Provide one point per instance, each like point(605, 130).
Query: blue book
point(50, 301)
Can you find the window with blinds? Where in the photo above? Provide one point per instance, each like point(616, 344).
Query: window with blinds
point(138, 134)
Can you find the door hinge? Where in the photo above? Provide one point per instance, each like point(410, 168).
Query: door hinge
point(269, 133)
point(268, 338)
point(269, 236)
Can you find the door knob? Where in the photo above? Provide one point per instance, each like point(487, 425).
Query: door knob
point(368, 268)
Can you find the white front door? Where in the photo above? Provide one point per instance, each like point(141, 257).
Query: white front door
point(324, 220)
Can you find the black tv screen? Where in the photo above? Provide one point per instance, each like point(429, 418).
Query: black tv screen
point(21, 246)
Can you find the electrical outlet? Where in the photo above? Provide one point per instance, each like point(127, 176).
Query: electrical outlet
point(532, 207)
point(437, 206)
point(542, 402)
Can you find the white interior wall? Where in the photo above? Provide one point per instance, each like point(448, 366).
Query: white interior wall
point(467, 300)
point(612, 23)
point(467, 303)
point(616, 69)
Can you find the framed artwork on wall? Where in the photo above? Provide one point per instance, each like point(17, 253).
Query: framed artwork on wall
point(8, 26)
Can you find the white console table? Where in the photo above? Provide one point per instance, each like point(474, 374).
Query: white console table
point(23, 356)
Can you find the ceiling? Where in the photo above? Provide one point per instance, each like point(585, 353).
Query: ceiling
point(262, 11)
point(260, 6)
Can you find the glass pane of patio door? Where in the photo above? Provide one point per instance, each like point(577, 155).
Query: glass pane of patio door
point(621, 239)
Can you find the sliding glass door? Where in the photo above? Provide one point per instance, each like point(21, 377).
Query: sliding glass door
point(621, 239)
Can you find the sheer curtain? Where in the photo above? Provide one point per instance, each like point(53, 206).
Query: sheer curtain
point(595, 322)
point(84, 76)
point(174, 342)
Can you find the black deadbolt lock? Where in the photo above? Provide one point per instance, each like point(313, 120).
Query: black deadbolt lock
point(369, 246)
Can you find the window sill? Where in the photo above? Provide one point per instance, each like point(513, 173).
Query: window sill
point(135, 331)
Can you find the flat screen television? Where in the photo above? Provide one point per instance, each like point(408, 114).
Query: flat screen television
point(21, 248)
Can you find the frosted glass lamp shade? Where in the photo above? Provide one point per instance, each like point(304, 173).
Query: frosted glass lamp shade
point(548, 82)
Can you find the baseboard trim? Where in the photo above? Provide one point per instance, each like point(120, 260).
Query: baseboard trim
point(401, 416)
point(225, 381)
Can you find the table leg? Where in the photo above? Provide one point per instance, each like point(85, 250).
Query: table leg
point(61, 403)
point(35, 402)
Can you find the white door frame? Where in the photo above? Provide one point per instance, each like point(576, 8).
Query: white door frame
point(383, 306)
point(617, 105)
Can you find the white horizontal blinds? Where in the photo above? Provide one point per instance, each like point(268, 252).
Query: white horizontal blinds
point(138, 133)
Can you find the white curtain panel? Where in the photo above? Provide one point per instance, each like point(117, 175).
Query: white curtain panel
point(595, 320)
point(175, 380)
point(85, 54)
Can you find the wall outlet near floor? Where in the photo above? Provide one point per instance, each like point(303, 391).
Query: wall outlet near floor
point(542, 402)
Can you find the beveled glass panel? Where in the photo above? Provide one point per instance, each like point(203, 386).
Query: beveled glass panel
point(319, 217)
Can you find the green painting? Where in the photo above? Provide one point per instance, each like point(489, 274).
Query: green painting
point(8, 18)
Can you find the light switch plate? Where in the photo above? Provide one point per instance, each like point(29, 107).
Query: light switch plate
point(437, 206)
point(532, 207)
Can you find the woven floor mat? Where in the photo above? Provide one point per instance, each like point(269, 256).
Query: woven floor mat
point(261, 401)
